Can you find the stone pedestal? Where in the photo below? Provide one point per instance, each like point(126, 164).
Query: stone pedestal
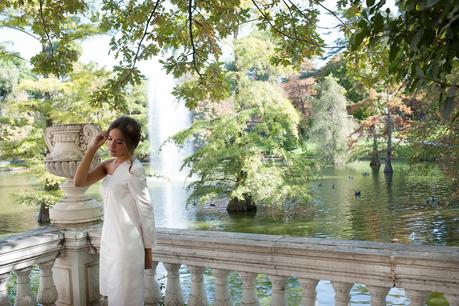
point(76, 271)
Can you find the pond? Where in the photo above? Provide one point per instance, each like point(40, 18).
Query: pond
point(411, 206)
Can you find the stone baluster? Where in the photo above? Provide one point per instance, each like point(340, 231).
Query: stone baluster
point(47, 292)
point(278, 296)
point(309, 291)
point(417, 298)
point(249, 293)
point(152, 291)
point(174, 295)
point(453, 299)
point(24, 296)
point(222, 297)
point(197, 295)
point(378, 295)
point(342, 293)
point(3, 290)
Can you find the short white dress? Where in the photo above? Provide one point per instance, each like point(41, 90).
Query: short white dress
point(128, 228)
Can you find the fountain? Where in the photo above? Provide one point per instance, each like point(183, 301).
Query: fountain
point(167, 116)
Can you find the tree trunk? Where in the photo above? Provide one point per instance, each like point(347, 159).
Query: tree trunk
point(388, 163)
point(43, 215)
point(240, 206)
point(375, 163)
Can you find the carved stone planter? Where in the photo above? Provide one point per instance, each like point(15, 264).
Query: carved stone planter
point(67, 144)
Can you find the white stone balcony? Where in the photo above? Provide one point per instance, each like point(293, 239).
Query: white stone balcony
point(68, 262)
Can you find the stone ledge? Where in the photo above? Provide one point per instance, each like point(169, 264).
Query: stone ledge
point(29, 248)
point(429, 268)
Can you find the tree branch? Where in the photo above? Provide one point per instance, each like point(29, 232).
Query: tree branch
point(20, 30)
point(44, 28)
point(139, 46)
point(190, 29)
point(328, 10)
point(287, 35)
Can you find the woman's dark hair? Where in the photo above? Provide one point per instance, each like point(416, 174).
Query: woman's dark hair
point(130, 129)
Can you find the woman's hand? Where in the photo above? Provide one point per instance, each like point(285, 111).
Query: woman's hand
point(148, 259)
point(98, 141)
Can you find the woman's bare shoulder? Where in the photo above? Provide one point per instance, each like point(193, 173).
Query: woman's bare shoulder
point(106, 162)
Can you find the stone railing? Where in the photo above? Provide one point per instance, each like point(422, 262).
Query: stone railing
point(420, 270)
point(19, 254)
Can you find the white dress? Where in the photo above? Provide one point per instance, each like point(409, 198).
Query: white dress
point(127, 230)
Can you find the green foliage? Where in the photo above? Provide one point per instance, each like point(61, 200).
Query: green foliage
point(331, 126)
point(421, 40)
point(191, 33)
point(355, 91)
point(56, 26)
point(249, 147)
point(251, 151)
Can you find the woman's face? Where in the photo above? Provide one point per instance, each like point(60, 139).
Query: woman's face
point(117, 144)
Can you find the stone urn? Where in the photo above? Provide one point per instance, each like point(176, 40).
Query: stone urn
point(67, 144)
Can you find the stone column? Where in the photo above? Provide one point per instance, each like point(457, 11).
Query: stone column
point(47, 292)
point(278, 296)
point(152, 291)
point(222, 297)
point(378, 295)
point(197, 295)
point(76, 271)
point(309, 291)
point(3, 290)
point(249, 293)
point(417, 298)
point(174, 295)
point(24, 296)
point(342, 293)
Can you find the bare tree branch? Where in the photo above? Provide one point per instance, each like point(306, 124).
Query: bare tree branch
point(20, 30)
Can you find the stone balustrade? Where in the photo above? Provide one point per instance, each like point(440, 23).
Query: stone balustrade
point(19, 254)
point(420, 270)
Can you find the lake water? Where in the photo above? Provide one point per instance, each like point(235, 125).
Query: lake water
point(410, 205)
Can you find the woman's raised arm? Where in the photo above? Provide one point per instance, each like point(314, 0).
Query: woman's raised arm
point(83, 177)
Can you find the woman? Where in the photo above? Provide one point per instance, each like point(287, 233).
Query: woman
point(128, 228)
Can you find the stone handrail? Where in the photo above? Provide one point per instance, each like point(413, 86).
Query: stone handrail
point(380, 266)
point(19, 253)
point(420, 270)
point(433, 268)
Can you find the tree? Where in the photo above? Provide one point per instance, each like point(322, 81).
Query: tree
point(331, 125)
point(422, 38)
point(250, 153)
point(56, 26)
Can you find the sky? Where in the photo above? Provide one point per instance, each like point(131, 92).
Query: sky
point(96, 49)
